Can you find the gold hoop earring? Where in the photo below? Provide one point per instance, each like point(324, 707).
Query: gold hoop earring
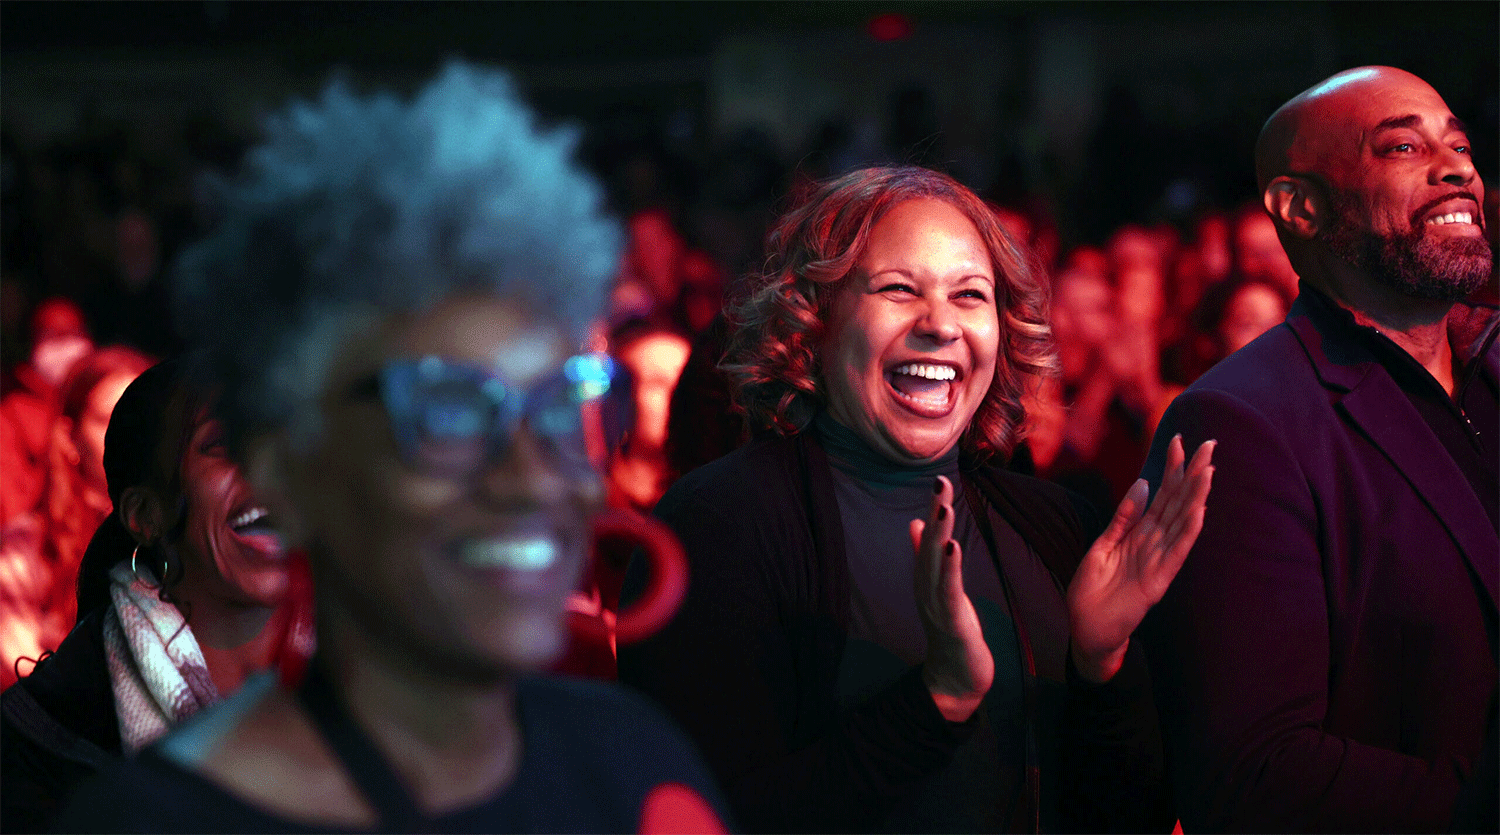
point(133, 554)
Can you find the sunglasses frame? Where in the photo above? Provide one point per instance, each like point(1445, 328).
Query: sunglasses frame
point(569, 427)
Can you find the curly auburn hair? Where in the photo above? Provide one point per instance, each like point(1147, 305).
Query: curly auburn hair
point(772, 359)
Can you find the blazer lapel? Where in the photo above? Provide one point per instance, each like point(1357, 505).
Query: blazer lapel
point(1380, 409)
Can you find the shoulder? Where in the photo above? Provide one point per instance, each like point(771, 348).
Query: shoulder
point(1274, 363)
point(24, 407)
point(1275, 385)
point(1274, 415)
point(752, 496)
point(737, 477)
point(57, 728)
point(71, 688)
point(150, 793)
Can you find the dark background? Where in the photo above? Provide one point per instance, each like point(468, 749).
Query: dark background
point(1186, 84)
point(1090, 114)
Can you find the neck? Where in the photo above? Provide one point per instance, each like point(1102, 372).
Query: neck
point(1419, 326)
point(236, 639)
point(459, 740)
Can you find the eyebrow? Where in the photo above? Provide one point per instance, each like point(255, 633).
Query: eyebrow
point(1412, 120)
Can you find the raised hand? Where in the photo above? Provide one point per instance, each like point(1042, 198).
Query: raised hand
point(959, 668)
point(1130, 565)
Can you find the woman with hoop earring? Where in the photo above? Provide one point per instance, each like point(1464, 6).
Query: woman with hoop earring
point(176, 597)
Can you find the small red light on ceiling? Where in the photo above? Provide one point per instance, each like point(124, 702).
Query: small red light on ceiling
point(889, 27)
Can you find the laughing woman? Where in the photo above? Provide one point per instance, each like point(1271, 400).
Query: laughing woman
point(175, 600)
point(394, 302)
point(881, 632)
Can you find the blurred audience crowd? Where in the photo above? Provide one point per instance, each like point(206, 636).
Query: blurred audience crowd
point(92, 222)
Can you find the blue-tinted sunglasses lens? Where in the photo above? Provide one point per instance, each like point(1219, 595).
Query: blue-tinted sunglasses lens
point(445, 416)
point(456, 425)
point(555, 406)
point(451, 419)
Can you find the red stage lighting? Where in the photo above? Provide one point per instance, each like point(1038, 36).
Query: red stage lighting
point(889, 27)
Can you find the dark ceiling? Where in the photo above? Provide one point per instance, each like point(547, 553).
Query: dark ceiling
point(401, 32)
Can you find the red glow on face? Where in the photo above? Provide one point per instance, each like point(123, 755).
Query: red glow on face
point(889, 27)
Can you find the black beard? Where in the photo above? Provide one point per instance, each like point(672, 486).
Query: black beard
point(1415, 263)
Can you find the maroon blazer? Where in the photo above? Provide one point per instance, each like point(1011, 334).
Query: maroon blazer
point(1326, 659)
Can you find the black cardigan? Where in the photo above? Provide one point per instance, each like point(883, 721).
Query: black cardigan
point(749, 666)
point(57, 727)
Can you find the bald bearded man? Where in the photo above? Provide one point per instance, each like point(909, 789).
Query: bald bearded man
point(1326, 660)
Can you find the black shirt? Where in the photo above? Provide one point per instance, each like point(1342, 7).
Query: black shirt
point(595, 759)
point(1467, 423)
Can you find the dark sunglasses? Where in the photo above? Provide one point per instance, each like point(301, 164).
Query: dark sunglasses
point(451, 419)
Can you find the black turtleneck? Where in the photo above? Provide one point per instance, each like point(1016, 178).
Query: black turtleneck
point(877, 500)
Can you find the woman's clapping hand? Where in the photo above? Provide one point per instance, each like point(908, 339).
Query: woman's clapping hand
point(1130, 565)
point(959, 668)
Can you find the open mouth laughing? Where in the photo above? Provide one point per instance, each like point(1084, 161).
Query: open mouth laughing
point(928, 389)
point(252, 526)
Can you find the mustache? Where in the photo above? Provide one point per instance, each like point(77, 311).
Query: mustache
point(1419, 214)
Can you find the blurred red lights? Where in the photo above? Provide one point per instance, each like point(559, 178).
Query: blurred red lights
point(889, 27)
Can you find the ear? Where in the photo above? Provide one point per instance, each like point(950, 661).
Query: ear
point(1296, 205)
point(141, 512)
point(268, 469)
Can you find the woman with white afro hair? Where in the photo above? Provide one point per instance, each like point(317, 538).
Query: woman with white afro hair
point(392, 308)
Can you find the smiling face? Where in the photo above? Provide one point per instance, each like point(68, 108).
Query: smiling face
point(1405, 198)
point(466, 574)
point(227, 546)
point(914, 334)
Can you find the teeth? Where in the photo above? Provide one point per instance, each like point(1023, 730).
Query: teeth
point(1451, 217)
point(926, 401)
point(931, 372)
point(534, 553)
point(254, 514)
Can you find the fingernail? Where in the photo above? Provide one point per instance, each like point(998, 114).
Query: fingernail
point(942, 512)
point(937, 486)
point(948, 548)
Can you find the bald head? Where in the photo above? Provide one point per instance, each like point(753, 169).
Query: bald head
point(1302, 134)
point(1368, 175)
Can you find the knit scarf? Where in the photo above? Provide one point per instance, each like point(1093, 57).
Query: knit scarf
point(156, 669)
